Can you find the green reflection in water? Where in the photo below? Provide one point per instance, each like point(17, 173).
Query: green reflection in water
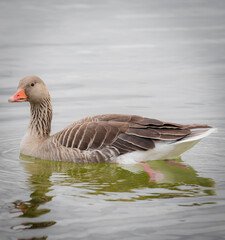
point(39, 184)
point(111, 182)
point(174, 176)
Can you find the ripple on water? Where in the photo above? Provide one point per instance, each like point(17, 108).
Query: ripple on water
point(118, 182)
point(43, 192)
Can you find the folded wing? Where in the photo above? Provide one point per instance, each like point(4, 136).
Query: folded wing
point(125, 133)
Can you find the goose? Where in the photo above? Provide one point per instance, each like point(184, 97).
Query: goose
point(110, 138)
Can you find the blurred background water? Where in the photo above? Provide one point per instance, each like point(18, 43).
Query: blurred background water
point(160, 59)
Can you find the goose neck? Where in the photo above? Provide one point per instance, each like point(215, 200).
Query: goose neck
point(40, 118)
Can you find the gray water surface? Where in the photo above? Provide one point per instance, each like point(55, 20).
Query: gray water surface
point(160, 59)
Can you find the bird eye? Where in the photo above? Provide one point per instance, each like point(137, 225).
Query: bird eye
point(32, 84)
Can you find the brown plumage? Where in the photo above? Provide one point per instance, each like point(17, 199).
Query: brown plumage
point(101, 138)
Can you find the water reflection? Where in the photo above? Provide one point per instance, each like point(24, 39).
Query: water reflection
point(39, 183)
point(112, 178)
point(154, 179)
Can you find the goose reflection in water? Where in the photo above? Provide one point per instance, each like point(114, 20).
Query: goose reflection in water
point(150, 180)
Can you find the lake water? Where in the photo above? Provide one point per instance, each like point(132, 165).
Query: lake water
point(160, 59)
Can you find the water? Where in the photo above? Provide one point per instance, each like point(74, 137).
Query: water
point(160, 59)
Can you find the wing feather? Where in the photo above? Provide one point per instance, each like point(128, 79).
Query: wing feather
point(79, 135)
point(101, 134)
point(129, 147)
point(143, 143)
point(124, 133)
point(71, 136)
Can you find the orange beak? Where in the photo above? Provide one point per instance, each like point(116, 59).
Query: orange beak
point(19, 96)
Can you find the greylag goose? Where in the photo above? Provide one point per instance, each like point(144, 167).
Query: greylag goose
point(102, 138)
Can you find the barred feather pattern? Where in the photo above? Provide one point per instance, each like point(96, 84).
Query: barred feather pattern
point(101, 138)
point(104, 137)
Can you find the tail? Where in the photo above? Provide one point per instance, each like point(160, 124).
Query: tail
point(197, 135)
point(194, 126)
point(189, 141)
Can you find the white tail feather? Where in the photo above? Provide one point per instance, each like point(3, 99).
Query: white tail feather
point(166, 150)
point(197, 135)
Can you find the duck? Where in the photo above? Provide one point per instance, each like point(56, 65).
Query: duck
point(108, 138)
